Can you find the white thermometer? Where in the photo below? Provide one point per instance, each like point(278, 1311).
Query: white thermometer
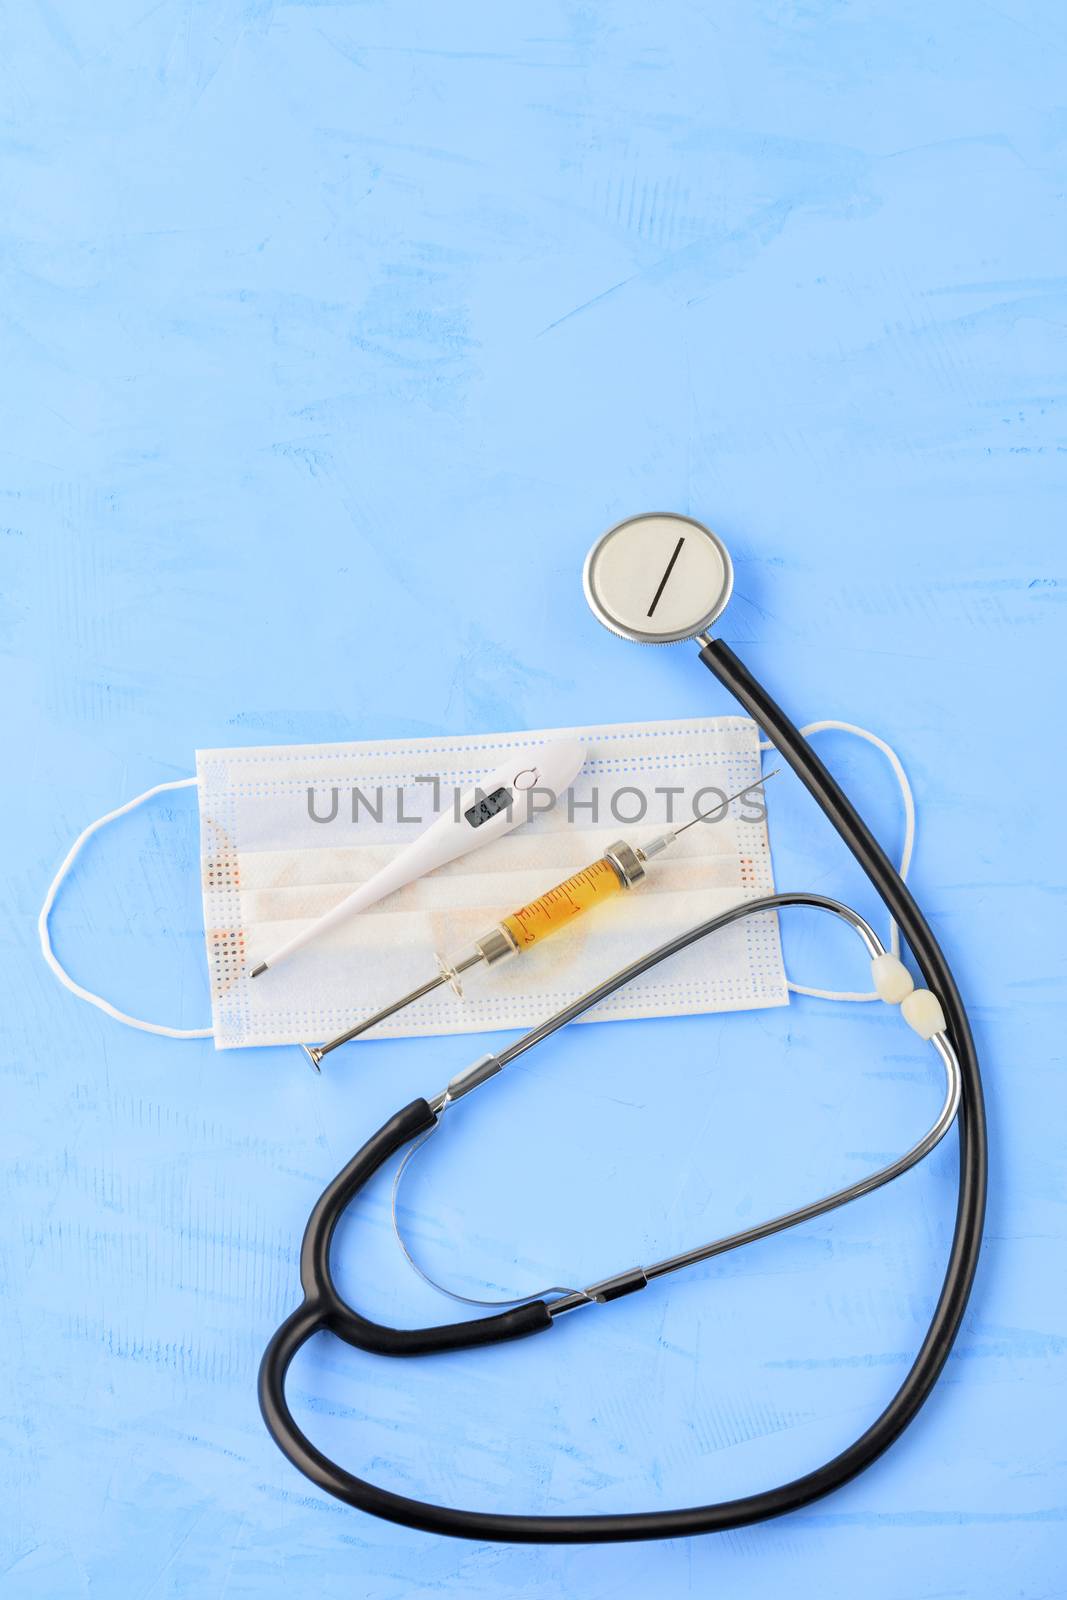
point(487, 810)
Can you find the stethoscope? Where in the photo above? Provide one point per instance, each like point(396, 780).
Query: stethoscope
point(660, 579)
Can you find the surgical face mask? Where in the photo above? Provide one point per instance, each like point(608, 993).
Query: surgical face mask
point(289, 831)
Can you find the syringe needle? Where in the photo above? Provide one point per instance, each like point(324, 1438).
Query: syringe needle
point(721, 805)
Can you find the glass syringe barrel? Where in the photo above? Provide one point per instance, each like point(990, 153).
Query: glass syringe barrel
point(618, 869)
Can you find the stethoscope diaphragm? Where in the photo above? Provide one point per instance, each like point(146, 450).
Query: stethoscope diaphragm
point(658, 578)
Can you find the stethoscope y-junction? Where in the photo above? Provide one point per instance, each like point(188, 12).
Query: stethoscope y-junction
point(659, 579)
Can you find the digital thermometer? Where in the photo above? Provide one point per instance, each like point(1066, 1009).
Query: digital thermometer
point(484, 812)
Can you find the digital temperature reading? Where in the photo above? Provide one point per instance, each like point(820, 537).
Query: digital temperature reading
point(482, 810)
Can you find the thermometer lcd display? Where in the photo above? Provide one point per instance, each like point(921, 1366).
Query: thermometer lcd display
point(482, 810)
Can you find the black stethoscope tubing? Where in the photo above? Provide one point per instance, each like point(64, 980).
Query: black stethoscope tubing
point(323, 1307)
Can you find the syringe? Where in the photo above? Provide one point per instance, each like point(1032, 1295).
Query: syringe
point(622, 866)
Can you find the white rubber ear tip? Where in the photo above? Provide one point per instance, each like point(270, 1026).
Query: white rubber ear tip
point(892, 979)
point(922, 1011)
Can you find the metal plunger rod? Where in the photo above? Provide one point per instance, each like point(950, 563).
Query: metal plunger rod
point(315, 1053)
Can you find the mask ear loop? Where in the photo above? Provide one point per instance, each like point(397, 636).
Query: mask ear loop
point(49, 901)
point(906, 848)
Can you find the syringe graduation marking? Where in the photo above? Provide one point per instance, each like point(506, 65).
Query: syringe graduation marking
point(565, 901)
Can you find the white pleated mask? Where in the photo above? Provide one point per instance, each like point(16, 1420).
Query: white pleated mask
point(288, 831)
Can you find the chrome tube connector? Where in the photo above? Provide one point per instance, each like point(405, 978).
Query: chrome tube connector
point(471, 1077)
point(602, 1293)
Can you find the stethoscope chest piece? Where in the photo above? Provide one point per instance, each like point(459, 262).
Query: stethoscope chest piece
point(658, 578)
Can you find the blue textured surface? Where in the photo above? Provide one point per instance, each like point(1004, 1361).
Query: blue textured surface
point(331, 335)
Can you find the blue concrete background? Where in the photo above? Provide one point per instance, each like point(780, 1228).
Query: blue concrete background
point(331, 336)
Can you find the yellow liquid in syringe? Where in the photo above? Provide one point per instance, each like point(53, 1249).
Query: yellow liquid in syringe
point(570, 899)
